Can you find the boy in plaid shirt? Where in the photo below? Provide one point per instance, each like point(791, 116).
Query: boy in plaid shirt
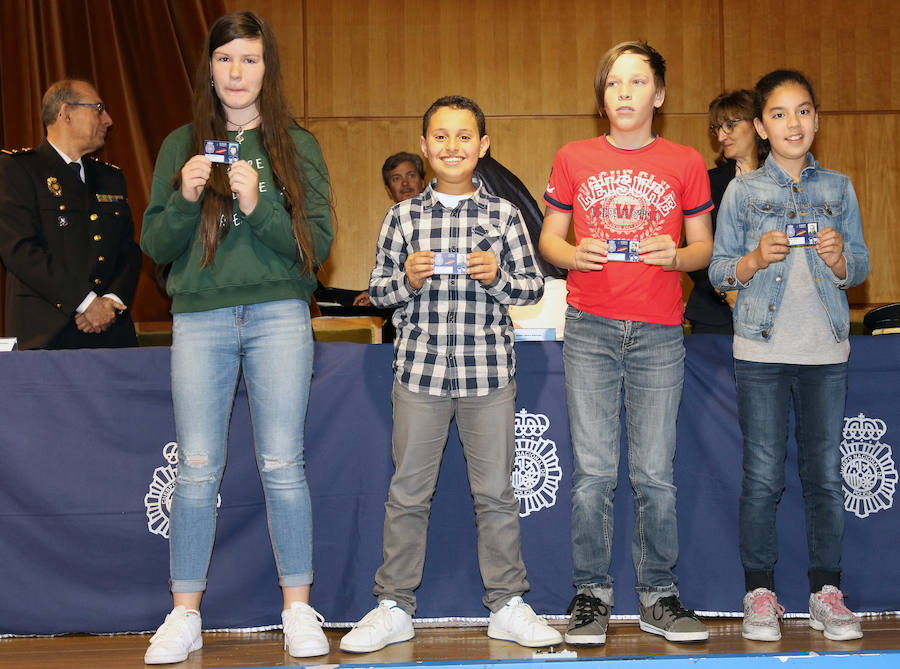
point(451, 260)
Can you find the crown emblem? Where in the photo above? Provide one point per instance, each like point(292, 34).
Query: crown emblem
point(861, 427)
point(536, 472)
point(867, 467)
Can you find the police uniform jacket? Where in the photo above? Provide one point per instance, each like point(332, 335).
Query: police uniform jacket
point(59, 240)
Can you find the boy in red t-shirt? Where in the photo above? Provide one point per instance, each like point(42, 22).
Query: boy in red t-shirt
point(628, 194)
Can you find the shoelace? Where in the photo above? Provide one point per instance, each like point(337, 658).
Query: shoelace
point(171, 625)
point(380, 615)
point(835, 603)
point(674, 606)
point(585, 609)
point(298, 616)
point(764, 604)
point(525, 613)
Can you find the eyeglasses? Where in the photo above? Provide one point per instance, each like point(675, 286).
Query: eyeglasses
point(99, 106)
point(727, 125)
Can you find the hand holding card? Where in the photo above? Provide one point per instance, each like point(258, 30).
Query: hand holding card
point(244, 182)
point(590, 255)
point(830, 247)
point(418, 267)
point(194, 176)
point(483, 266)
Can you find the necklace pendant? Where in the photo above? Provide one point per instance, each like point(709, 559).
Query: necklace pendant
point(239, 138)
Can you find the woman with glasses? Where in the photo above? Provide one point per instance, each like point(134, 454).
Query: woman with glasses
point(731, 123)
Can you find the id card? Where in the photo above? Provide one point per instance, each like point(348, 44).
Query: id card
point(446, 262)
point(802, 234)
point(623, 250)
point(220, 151)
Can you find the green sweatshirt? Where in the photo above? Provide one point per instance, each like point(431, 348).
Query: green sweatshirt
point(257, 260)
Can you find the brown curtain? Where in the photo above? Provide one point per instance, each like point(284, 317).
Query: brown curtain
point(141, 56)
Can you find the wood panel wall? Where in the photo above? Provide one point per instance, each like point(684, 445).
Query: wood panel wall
point(360, 73)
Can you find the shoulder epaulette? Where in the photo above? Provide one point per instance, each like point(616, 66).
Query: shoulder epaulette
point(13, 152)
point(103, 162)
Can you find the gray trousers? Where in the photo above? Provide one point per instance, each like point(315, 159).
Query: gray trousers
point(486, 427)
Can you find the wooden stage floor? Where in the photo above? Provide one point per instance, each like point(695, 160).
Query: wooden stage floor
point(264, 649)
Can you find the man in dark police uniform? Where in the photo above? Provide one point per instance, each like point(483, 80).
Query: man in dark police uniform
point(66, 233)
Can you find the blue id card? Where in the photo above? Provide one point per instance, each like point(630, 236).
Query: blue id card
point(802, 234)
point(220, 151)
point(450, 263)
point(623, 250)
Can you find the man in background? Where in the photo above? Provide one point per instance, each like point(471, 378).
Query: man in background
point(404, 177)
point(66, 232)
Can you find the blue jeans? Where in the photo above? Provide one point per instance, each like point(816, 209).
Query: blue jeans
point(765, 393)
point(602, 357)
point(271, 345)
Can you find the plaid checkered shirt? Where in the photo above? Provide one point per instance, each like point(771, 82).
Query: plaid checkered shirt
point(454, 335)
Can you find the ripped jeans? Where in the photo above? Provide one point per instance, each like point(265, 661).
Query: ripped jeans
point(271, 345)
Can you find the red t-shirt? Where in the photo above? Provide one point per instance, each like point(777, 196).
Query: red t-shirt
point(620, 194)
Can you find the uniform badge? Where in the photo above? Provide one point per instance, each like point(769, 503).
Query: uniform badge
point(62, 221)
point(106, 197)
point(54, 187)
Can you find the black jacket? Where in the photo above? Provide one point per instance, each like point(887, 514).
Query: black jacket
point(705, 305)
point(59, 240)
point(499, 181)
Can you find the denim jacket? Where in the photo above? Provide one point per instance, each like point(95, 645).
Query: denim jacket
point(768, 199)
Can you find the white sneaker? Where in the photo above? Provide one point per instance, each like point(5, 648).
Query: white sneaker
point(517, 622)
point(828, 613)
point(387, 623)
point(176, 638)
point(761, 614)
point(303, 635)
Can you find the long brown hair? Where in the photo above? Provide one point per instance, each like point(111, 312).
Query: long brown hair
point(275, 121)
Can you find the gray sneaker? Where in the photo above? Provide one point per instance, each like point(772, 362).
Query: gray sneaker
point(668, 618)
point(589, 618)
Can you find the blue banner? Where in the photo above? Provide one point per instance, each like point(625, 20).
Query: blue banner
point(88, 460)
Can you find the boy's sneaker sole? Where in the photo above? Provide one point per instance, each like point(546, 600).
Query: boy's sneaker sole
point(675, 636)
point(371, 648)
point(585, 639)
point(528, 643)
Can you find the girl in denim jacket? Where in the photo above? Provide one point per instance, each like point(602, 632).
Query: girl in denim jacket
point(789, 239)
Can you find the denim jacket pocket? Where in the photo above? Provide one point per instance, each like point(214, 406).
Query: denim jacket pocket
point(829, 215)
point(764, 216)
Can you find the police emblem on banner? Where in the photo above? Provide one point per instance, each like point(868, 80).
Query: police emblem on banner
point(536, 472)
point(867, 467)
point(158, 500)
